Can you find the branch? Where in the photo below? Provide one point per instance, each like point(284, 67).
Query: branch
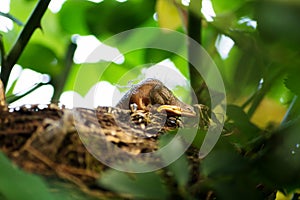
point(9, 16)
point(14, 98)
point(194, 32)
point(293, 111)
point(33, 23)
point(2, 51)
point(60, 81)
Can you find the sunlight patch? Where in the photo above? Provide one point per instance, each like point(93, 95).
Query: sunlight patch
point(208, 10)
point(85, 51)
point(55, 5)
point(5, 23)
point(185, 2)
point(249, 22)
point(224, 44)
point(163, 71)
point(100, 94)
point(41, 95)
point(4, 6)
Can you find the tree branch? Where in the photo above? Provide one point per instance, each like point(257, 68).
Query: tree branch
point(60, 81)
point(2, 51)
point(293, 111)
point(9, 16)
point(13, 98)
point(194, 32)
point(33, 23)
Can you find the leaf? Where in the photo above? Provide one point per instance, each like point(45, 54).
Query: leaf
point(229, 175)
point(15, 184)
point(41, 59)
point(11, 89)
point(222, 163)
point(237, 114)
point(292, 81)
point(112, 17)
point(167, 39)
point(89, 74)
point(279, 162)
point(21, 10)
point(181, 64)
point(221, 6)
point(179, 168)
point(248, 72)
point(66, 190)
point(168, 14)
point(286, 26)
point(144, 185)
point(72, 17)
point(241, 120)
point(115, 72)
point(281, 196)
point(268, 105)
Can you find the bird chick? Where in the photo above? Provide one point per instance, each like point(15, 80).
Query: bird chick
point(152, 92)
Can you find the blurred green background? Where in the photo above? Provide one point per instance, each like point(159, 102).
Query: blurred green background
point(255, 45)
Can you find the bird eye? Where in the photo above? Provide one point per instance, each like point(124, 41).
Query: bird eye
point(190, 109)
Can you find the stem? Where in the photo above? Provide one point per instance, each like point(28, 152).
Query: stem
point(293, 110)
point(260, 93)
point(248, 101)
point(194, 31)
point(256, 100)
point(33, 23)
point(60, 82)
point(13, 98)
point(2, 51)
point(9, 16)
point(2, 88)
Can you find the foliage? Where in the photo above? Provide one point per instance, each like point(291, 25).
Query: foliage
point(13, 179)
point(259, 153)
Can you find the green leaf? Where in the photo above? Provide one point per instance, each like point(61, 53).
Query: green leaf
point(122, 16)
point(11, 89)
point(286, 26)
point(15, 184)
point(222, 163)
point(245, 131)
point(41, 59)
point(114, 72)
point(86, 76)
point(249, 70)
point(168, 14)
point(280, 91)
point(226, 6)
point(157, 55)
point(144, 185)
point(67, 190)
point(179, 168)
point(21, 9)
point(181, 64)
point(72, 17)
point(241, 120)
point(91, 73)
point(292, 81)
point(229, 175)
point(279, 163)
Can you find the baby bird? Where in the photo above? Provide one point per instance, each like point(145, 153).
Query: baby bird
point(153, 92)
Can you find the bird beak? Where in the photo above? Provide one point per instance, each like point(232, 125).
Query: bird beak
point(177, 110)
